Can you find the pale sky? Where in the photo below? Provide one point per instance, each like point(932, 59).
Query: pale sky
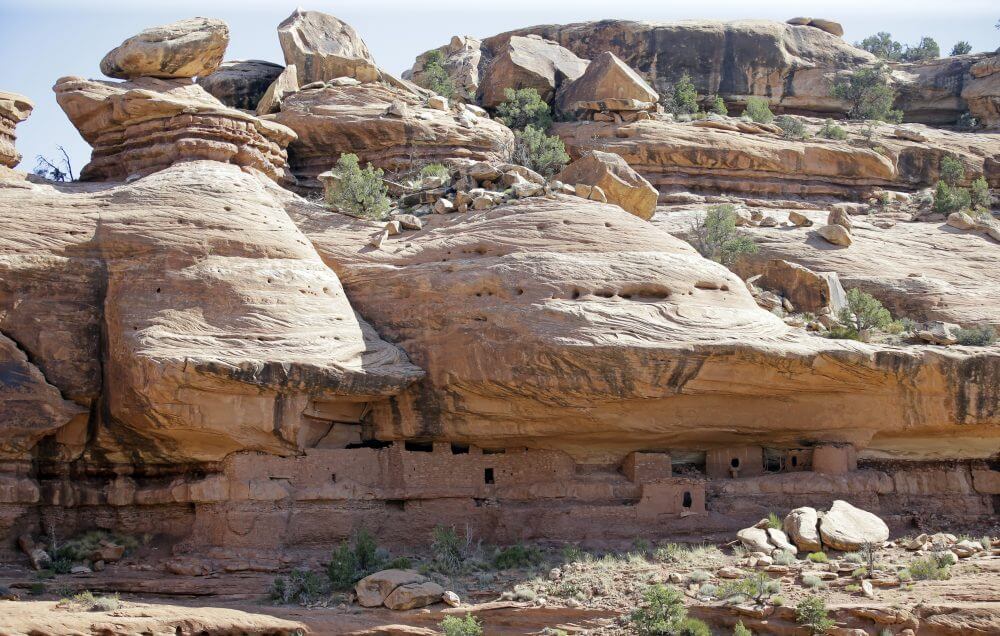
point(43, 40)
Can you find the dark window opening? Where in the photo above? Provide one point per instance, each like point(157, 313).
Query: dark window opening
point(735, 462)
point(687, 500)
point(459, 449)
point(333, 477)
point(419, 447)
point(494, 451)
point(488, 475)
point(369, 443)
point(395, 504)
point(795, 460)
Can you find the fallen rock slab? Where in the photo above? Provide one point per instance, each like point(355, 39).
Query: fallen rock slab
point(801, 526)
point(848, 528)
point(622, 185)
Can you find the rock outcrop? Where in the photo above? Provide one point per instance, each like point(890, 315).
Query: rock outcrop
point(147, 124)
point(14, 109)
point(461, 59)
point(323, 48)
point(241, 83)
point(606, 78)
point(982, 91)
point(356, 118)
point(528, 62)
point(620, 184)
point(188, 48)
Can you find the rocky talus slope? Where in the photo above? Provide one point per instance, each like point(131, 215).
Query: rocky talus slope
point(227, 376)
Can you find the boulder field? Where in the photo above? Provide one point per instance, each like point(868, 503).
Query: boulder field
point(197, 347)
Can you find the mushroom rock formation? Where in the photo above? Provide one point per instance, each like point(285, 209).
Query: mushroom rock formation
point(241, 84)
point(461, 60)
point(223, 329)
point(724, 158)
point(323, 48)
point(982, 91)
point(574, 325)
point(792, 66)
point(147, 124)
point(607, 77)
point(187, 48)
point(356, 118)
point(528, 62)
point(14, 109)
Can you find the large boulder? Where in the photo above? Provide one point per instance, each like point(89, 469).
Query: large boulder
point(529, 62)
point(414, 595)
point(461, 56)
point(323, 48)
point(355, 118)
point(835, 234)
point(622, 185)
point(755, 540)
point(14, 109)
point(801, 526)
point(847, 528)
point(187, 48)
point(286, 83)
point(145, 125)
point(241, 83)
point(607, 77)
point(374, 588)
point(805, 289)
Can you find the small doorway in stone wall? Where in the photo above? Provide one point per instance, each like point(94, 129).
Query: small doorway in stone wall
point(488, 476)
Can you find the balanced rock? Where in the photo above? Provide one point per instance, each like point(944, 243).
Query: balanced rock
point(14, 109)
point(286, 83)
point(323, 47)
point(529, 62)
point(607, 77)
point(836, 234)
point(831, 27)
point(622, 185)
point(241, 83)
point(188, 48)
point(848, 528)
point(801, 525)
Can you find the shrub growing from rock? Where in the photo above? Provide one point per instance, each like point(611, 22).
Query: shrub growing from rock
point(717, 238)
point(467, 626)
point(300, 586)
point(516, 556)
point(351, 563)
point(961, 48)
point(434, 170)
point(741, 630)
point(662, 612)
point(791, 127)
point(926, 49)
point(758, 110)
point(869, 94)
point(811, 613)
point(435, 76)
point(359, 191)
point(719, 106)
point(818, 557)
point(681, 98)
point(931, 568)
point(863, 314)
point(545, 154)
point(981, 336)
point(522, 108)
point(830, 130)
point(980, 196)
point(882, 46)
point(757, 588)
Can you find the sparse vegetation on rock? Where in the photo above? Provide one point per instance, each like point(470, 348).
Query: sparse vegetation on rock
point(758, 110)
point(811, 613)
point(681, 98)
point(468, 625)
point(435, 76)
point(980, 336)
point(662, 613)
point(717, 238)
point(522, 108)
point(961, 48)
point(545, 154)
point(792, 127)
point(359, 191)
point(301, 586)
point(869, 95)
point(830, 130)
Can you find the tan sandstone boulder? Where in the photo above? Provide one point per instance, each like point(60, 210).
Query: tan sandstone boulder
point(187, 48)
point(323, 48)
point(621, 185)
point(374, 588)
point(14, 109)
point(805, 289)
point(982, 90)
point(847, 528)
point(801, 526)
point(607, 77)
point(836, 234)
point(529, 62)
point(285, 84)
point(961, 221)
point(838, 216)
point(414, 595)
point(241, 83)
point(755, 540)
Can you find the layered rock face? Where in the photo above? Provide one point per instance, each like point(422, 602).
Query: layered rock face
point(983, 92)
point(738, 157)
point(188, 48)
point(241, 84)
point(14, 109)
point(141, 126)
point(356, 118)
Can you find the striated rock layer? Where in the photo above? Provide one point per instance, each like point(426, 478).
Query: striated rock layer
point(14, 109)
point(339, 119)
point(145, 125)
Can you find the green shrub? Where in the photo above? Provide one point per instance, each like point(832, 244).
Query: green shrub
point(966, 121)
point(980, 195)
point(359, 192)
point(948, 199)
point(545, 154)
point(708, 589)
point(719, 106)
point(741, 630)
point(717, 238)
point(854, 557)
point(758, 110)
point(434, 170)
point(784, 557)
point(682, 98)
point(812, 581)
point(517, 556)
point(435, 76)
point(692, 627)
point(791, 127)
point(774, 521)
point(951, 170)
point(757, 588)
point(811, 613)
point(37, 588)
point(93, 603)
point(447, 550)
point(699, 576)
point(926, 49)
point(455, 626)
point(301, 586)
point(351, 563)
point(818, 557)
point(522, 108)
point(661, 612)
point(863, 313)
point(930, 568)
point(869, 94)
point(961, 48)
point(882, 46)
point(831, 130)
